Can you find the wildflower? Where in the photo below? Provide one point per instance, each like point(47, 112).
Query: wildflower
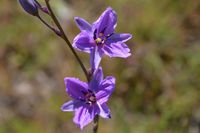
point(89, 99)
point(100, 38)
point(30, 6)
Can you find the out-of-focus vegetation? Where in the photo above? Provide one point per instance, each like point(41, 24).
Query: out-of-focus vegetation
point(158, 87)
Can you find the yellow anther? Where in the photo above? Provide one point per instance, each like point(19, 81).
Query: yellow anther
point(98, 40)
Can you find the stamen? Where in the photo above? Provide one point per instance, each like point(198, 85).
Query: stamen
point(94, 35)
point(90, 98)
point(98, 40)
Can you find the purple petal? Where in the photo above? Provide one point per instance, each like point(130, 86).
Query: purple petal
point(83, 42)
point(123, 37)
point(104, 110)
point(71, 105)
point(75, 88)
point(96, 79)
point(118, 49)
point(82, 24)
point(106, 22)
point(95, 58)
point(105, 89)
point(98, 75)
point(94, 110)
point(84, 115)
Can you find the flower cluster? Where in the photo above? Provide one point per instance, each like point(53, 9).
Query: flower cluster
point(98, 39)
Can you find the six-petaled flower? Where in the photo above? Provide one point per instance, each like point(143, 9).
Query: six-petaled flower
point(100, 38)
point(89, 99)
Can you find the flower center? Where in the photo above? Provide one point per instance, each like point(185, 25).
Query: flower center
point(100, 38)
point(90, 97)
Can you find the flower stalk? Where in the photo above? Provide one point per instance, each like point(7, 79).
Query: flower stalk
point(49, 26)
point(98, 39)
point(96, 124)
point(63, 35)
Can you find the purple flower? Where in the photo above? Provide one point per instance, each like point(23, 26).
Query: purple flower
point(30, 6)
point(100, 38)
point(89, 99)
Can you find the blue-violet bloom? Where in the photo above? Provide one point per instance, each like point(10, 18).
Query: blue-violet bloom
point(30, 6)
point(100, 38)
point(89, 99)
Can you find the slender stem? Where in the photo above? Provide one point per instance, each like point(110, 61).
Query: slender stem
point(50, 27)
point(96, 119)
point(65, 38)
point(96, 124)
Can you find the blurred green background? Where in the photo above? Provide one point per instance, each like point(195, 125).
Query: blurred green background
point(157, 89)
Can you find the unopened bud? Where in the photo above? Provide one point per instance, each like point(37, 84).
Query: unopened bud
point(29, 6)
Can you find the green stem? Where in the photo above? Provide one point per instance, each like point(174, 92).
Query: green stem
point(63, 35)
point(96, 124)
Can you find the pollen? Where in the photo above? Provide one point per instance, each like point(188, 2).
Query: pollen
point(98, 40)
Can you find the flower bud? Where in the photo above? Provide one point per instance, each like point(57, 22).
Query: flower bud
point(30, 6)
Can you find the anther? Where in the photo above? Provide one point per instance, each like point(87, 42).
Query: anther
point(98, 40)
